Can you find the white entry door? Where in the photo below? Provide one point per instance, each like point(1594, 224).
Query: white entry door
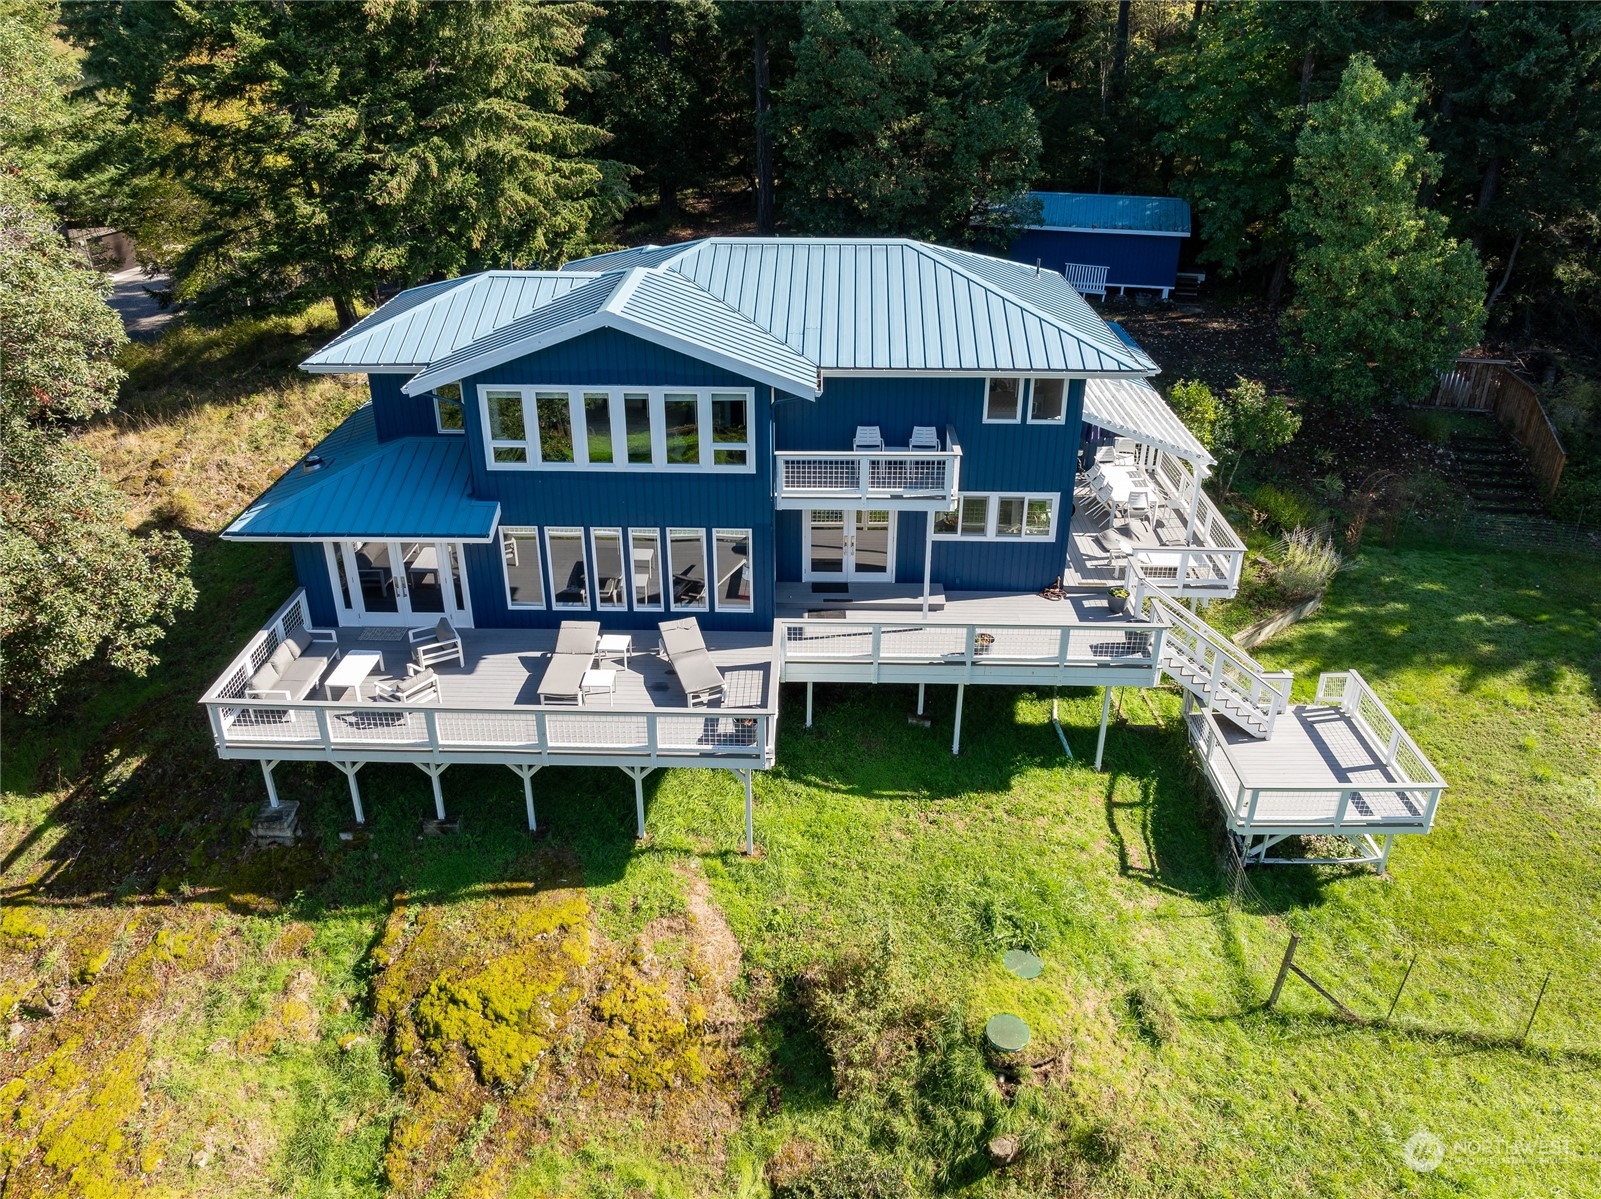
point(849, 543)
point(398, 582)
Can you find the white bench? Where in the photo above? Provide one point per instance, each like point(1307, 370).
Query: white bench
point(1090, 280)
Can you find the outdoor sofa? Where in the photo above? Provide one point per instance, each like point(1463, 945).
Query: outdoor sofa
point(295, 667)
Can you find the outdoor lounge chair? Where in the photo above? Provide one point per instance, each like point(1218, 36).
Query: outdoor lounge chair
point(867, 438)
point(295, 666)
point(924, 437)
point(686, 650)
point(1126, 449)
point(438, 644)
point(576, 643)
point(419, 686)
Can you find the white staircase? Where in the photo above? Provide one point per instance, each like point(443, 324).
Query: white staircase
point(1215, 671)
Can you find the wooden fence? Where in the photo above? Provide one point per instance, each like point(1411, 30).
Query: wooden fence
point(1486, 385)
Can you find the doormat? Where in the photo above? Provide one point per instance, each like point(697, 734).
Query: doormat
point(831, 588)
point(383, 633)
point(826, 614)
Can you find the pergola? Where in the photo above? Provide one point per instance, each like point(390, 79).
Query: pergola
point(1133, 408)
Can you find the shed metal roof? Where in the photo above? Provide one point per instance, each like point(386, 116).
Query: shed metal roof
point(1135, 409)
point(1083, 211)
point(412, 487)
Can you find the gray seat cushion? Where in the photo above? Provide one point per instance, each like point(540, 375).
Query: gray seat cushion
point(681, 637)
point(578, 637)
point(696, 674)
point(564, 676)
point(445, 631)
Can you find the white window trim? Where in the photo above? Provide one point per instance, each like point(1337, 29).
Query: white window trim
point(439, 424)
point(529, 443)
point(625, 581)
point(550, 565)
point(992, 514)
point(633, 567)
point(671, 573)
point(1022, 399)
point(717, 590)
point(1029, 407)
point(523, 531)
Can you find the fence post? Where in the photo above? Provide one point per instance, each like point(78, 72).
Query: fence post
point(1524, 1039)
point(1284, 968)
point(1401, 988)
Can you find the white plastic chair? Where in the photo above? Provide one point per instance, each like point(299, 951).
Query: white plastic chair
point(1106, 454)
point(1139, 504)
point(1126, 449)
point(924, 437)
point(868, 438)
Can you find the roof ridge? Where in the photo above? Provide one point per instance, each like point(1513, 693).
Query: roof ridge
point(1054, 321)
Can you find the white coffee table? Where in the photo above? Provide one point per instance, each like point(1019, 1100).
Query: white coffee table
point(597, 682)
point(614, 645)
point(352, 671)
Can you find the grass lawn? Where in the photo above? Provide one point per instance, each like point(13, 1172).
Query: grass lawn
point(487, 1015)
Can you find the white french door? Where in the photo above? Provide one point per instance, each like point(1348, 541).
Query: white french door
point(398, 582)
point(848, 544)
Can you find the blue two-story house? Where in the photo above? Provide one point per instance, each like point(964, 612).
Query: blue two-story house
point(596, 516)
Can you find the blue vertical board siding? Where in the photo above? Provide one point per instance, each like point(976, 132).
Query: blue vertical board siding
point(623, 499)
point(1014, 458)
point(1131, 259)
point(396, 414)
point(311, 572)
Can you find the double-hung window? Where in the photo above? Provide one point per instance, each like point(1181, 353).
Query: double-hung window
point(998, 516)
point(619, 428)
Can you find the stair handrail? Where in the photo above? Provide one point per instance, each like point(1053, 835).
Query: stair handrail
point(1266, 691)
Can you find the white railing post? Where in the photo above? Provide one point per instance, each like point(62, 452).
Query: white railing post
point(1062, 643)
point(1339, 811)
point(864, 475)
point(431, 723)
point(542, 731)
point(652, 737)
point(322, 728)
point(878, 648)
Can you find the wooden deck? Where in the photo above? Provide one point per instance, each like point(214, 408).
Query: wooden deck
point(1208, 566)
point(503, 668)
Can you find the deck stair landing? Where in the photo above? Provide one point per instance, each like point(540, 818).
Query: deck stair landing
point(1215, 671)
point(801, 599)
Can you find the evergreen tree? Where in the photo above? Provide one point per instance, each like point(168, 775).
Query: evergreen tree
point(904, 120)
point(337, 147)
point(1385, 299)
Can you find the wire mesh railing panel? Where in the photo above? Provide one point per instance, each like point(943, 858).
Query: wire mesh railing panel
point(822, 474)
point(597, 730)
point(377, 725)
point(830, 644)
point(908, 474)
point(488, 728)
point(278, 726)
point(923, 643)
point(713, 731)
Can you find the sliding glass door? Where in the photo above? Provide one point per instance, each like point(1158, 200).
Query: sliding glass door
point(398, 582)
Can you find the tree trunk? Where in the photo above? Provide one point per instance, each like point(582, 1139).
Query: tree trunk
point(1307, 64)
point(1487, 190)
point(345, 309)
point(1120, 56)
point(764, 141)
point(1276, 282)
point(1506, 275)
point(666, 197)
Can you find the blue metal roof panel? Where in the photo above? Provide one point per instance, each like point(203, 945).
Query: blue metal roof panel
point(1082, 210)
point(412, 487)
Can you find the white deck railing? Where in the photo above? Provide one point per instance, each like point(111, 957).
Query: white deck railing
point(1213, 559)
point(1407, 800)
point(542, 734)
point(888, 477)
point(952, 652)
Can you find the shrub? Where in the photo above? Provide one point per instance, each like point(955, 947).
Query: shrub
point(1285, 509)
point(1434, 426)
point(1309, 562)
point(178, 507)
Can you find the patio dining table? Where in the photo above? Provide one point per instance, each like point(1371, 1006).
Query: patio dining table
point(1114, 483)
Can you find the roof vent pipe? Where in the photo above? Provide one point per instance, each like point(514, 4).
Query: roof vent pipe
point(1037, 266)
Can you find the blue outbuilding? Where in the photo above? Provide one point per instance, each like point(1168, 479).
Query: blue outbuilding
point(1106, 242)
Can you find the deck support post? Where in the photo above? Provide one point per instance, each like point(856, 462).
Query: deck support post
point(526, 773)
point(349, 769)
point(638, 773)
point(920, 689)
point(750, 805)
point(272, 789)
point(433, 770)
point(956, 735)
point(928, 562)
point(1195, 503)
point(1384, 854)
point(1106, 712)
point(808, 703)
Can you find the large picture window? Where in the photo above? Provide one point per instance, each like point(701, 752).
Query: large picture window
point(569, 573)
point(519, 552)
point(998, 516)
point(645, 563)
point(612, 429)
point(731, 553)
point(686, 557)
point(611, 588)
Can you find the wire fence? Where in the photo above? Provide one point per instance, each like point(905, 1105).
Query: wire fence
point(1487, 994)
point(1483, 530)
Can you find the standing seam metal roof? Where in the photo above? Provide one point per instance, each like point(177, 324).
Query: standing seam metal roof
point(1085, 210)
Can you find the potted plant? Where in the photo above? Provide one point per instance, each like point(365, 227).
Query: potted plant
point(1117, 600)
point(982, 643)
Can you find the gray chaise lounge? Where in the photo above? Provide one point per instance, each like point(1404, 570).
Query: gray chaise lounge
point(576, 643)
point(686, 650)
